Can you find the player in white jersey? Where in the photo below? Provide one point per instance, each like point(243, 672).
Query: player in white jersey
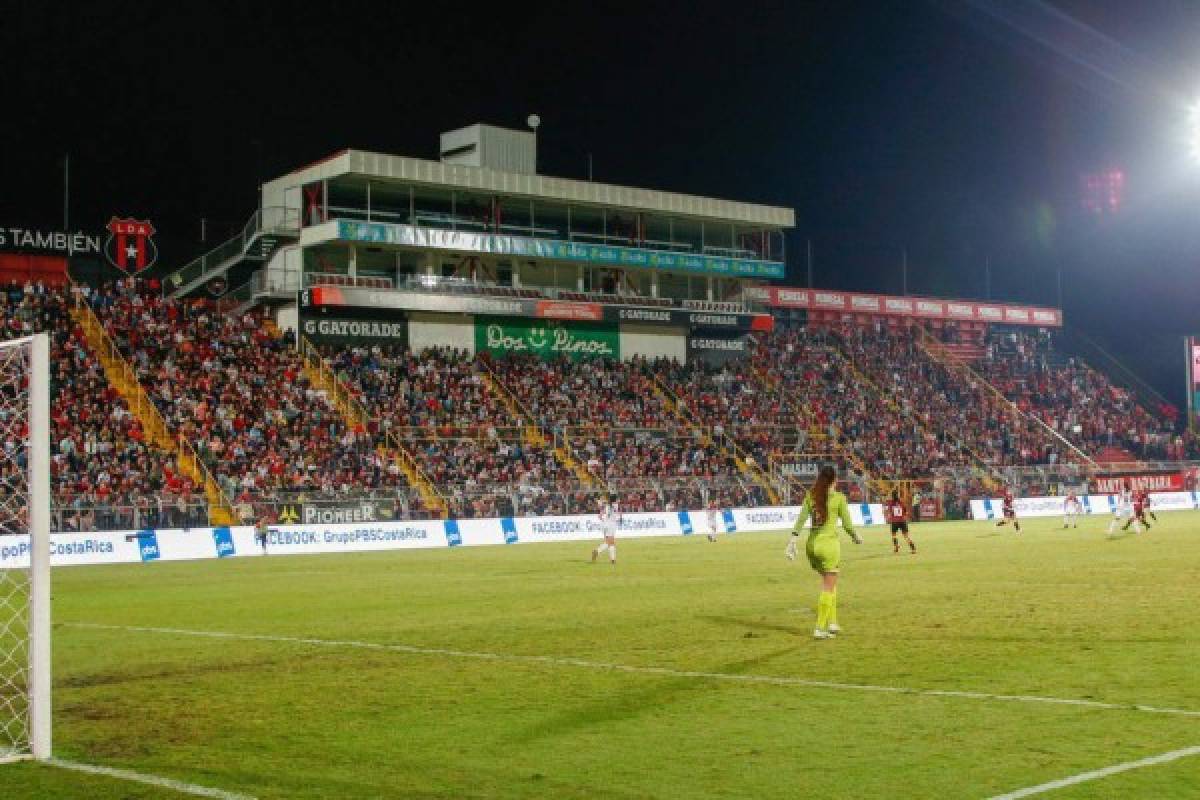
point(714, 517)
point(1072, 508)
point(610, 520)
point(1124, 510)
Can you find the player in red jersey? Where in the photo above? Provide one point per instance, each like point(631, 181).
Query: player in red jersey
point(897, 516)
point(1146, 504)
point(1140, 499)
point(1009, 510)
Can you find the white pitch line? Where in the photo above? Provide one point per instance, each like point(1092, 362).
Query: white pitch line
point(150, 780)
point(1083, 777)
point(642, 670)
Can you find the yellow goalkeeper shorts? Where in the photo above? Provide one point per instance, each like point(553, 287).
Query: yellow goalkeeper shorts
point(824, 553)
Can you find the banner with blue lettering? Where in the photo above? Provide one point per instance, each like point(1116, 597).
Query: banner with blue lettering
point(170, 544)
point(148, 545)
point(1052, 506)
point(223, 540)
point(866, 514)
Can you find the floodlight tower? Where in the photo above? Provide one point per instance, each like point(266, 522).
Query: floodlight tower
point(533, 121)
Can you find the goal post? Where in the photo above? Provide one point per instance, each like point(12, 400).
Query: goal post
point(25, 708)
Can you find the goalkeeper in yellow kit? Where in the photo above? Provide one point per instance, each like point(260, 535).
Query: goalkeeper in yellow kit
point(825, 505)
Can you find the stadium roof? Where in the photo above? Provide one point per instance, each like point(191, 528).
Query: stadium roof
point(401, 169)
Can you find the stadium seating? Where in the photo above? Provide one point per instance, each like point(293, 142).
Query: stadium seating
point(237, 390)
point(1078, 402)
point(516, 435)
point(439, 405)
point(104, 473)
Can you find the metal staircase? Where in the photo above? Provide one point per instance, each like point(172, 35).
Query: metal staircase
point(268, 230)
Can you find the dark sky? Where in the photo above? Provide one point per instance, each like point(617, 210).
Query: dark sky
point(958, 132)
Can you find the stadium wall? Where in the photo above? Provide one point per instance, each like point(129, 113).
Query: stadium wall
point(653, 342)
point(120, 547)
point(989, 507)
point(286, 318)
point(441, 330)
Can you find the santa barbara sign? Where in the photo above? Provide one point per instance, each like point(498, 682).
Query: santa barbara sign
point(31, 240)
point(546, 340)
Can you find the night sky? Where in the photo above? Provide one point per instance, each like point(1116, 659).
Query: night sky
point(958, 132)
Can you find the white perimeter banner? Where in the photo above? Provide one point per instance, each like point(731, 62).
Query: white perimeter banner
point(989, 507)
point(124, 547)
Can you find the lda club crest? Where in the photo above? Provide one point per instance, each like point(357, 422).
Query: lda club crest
point(130, 246)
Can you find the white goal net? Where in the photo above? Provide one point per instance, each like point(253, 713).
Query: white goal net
point(25, 546)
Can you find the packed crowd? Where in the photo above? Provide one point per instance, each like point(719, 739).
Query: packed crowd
point(477, 451)
point(952, 420)
point(1080, 403)
point(603, 393)
point(439, 406)
point(237, 390)
point(104, 473)
point(615, 421)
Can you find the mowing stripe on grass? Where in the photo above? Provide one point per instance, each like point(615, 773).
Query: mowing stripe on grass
point(151, 780)
point(1083, 777)
point(639, 670)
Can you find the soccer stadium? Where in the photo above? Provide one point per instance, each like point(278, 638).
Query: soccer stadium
point(445, 474)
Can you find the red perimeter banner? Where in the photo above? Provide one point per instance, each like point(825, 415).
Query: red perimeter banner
point(923, 307)
point(552, 309)
point(1156, 482)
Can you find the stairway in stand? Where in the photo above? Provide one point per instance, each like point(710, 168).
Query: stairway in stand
point(532, 433)
point(122, 377)
point(964, 352)
point(962, 371)
point(980, 467)
point(729, 448)
point(356, 416)
point(771, 385)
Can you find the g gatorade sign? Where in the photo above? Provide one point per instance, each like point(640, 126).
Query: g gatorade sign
point(355, 331)
point(716, 347)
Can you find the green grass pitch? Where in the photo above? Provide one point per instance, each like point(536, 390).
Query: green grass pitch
point(1047, 613)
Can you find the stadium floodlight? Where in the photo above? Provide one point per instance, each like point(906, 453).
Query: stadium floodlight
point(533, 121)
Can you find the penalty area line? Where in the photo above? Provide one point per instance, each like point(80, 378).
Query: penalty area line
point(1083, 777)
point(150, 780)
point(670, 672)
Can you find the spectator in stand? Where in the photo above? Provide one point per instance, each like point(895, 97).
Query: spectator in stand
point(237, 389)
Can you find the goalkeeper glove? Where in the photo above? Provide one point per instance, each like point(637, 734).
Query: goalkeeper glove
point(791, 549)
point(854, 537)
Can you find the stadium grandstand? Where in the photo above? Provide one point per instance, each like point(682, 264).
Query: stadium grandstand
point(465, 338)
